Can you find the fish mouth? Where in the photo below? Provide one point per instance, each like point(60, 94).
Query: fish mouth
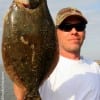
point(31, 4)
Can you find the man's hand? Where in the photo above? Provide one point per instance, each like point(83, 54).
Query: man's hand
point(19, 92)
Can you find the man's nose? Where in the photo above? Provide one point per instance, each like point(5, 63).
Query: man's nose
point(73, 31)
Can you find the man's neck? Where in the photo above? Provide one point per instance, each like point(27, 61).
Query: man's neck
point(70, 55)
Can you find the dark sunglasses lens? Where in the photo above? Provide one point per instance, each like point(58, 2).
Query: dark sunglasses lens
point(65, 27)
point(80, 27)
point(68, 27)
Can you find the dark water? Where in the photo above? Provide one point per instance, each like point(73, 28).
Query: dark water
point(6, 86)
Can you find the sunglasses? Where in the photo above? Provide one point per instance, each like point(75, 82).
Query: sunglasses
point(68, 27)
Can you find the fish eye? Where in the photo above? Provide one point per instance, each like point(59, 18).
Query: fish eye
point(34, 4)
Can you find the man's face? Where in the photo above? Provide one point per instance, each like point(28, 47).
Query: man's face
point(71, 38)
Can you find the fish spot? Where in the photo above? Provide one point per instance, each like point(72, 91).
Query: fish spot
point(23, 40)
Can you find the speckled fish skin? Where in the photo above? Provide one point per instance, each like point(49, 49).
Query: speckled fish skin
point(28, 45)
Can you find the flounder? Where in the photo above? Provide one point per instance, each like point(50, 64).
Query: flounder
point(29, 44)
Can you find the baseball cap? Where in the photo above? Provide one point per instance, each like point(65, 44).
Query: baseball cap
point(67, 12)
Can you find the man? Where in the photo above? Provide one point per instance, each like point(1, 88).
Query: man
point(74, 77)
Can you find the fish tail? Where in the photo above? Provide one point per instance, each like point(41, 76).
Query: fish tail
point(31, 96)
